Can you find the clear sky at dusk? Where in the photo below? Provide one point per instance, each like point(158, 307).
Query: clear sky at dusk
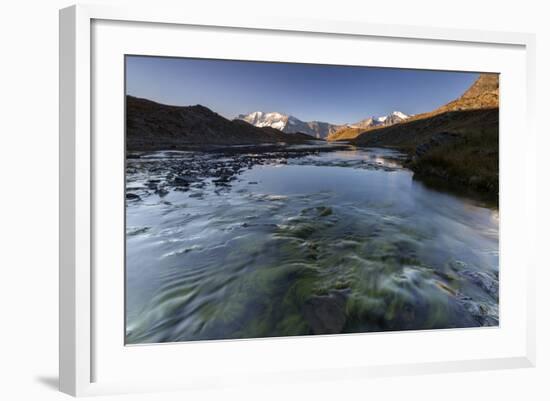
point(335, 94)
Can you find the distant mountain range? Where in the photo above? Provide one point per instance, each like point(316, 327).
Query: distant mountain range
point(318, 129)
point(289, 124)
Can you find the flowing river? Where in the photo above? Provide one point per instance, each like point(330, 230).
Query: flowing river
point(244, 245)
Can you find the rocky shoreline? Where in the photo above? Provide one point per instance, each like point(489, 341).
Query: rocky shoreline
point(456, 144)
point(195, 167)
point(219, 165)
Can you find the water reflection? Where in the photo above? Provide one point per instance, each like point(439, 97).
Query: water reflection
point(330, 242)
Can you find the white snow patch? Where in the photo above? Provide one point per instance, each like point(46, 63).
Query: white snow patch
point(400, 115)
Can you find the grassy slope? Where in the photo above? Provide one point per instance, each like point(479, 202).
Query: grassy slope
point(457, 143)
point(345, 134)
point(467, 154)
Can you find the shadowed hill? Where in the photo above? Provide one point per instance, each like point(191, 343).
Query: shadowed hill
point(457, 142)
point(483, 94)
point(155, 126)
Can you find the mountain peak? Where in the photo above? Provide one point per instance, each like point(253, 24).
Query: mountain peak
point(483, 94)
point(400, 114)
point(290, 124)
point(262, 119)
point(352, 130)
point(394, 117)
point(486, 83)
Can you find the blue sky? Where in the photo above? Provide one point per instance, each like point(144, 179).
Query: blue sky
point(335, 94)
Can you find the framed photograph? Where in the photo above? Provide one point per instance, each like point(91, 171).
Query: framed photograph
point(269, 200)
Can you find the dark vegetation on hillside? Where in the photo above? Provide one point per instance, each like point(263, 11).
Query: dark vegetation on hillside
point(457, 146)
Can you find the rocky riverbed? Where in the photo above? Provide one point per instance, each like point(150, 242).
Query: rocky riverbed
point(277, 241)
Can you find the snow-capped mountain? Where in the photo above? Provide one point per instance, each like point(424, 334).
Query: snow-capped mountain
point(261, 119)
point(290, 124)
point(395, 117)
point(390, 119)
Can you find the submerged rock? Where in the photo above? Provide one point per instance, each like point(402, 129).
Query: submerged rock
point(324, 211)
point(184, 180)
point(483, 313)
point(326, 314)
point(161, 192)
point(482, 280)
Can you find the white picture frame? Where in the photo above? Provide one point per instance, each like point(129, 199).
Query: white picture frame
point(85, 352)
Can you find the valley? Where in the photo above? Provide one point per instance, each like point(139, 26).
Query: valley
point(454, 146)
point(352, 200)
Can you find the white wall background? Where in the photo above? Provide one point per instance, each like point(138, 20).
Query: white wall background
point(29, 186)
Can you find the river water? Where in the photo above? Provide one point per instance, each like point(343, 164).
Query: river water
point(256, 245)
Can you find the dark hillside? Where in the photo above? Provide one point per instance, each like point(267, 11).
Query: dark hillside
point(457, 142)
point(155, 126)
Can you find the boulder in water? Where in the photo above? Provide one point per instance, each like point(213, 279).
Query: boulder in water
point(326, 314)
